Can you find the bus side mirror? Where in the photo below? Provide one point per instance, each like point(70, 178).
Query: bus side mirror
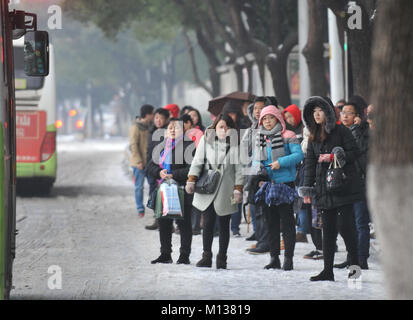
point(36, 53)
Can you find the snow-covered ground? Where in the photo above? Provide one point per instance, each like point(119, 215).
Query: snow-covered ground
point(89, 227)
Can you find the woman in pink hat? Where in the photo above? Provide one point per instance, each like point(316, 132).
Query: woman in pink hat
point(278, 150)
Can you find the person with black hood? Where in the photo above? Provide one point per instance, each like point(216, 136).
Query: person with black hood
point(328, 142)
point(233, 108)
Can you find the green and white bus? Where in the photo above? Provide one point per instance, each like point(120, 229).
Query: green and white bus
point(35, 124)
point(36, 47)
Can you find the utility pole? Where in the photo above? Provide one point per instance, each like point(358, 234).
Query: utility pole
point(303, 26)
point(89, 110)
point(336, 60)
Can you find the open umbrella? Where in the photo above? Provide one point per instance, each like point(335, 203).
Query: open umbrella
point(216, 105)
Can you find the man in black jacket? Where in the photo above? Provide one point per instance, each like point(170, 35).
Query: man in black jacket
point(360, 132)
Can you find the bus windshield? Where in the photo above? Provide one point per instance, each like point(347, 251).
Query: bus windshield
point(22, 81)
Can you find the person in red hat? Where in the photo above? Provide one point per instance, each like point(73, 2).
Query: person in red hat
point(173, 109)
point(292, 117)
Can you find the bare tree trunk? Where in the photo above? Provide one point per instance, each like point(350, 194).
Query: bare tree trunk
point(240, 80)
point(314, 50)
point(278, 70)
point(248, 66)
point(194, 66)
point(390, 180)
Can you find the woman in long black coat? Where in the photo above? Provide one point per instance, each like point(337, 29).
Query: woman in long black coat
point(329, 138)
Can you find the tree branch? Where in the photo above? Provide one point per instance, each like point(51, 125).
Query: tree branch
point(193, 64)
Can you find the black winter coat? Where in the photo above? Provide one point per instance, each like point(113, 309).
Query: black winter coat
point(315, 173)
point(179, 171)
point(361, 134)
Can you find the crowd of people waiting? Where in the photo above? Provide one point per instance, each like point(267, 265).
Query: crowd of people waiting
point(283, 177)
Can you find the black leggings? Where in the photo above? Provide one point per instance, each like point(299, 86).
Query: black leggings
point(346, 223)
point(210, 218)
point(185, 230)
point(274, 216)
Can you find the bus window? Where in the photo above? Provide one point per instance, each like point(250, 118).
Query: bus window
point(22, 81)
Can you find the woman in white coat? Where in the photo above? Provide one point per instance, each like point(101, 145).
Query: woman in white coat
point(218, 148)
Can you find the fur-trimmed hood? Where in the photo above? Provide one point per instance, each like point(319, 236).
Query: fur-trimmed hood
point(326, 105)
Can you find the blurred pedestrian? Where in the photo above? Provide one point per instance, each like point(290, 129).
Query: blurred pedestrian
point(173, 109)
point(340, 104)
point(138, 142)
point(197, 119)
point(185, 110)
point(219, 150)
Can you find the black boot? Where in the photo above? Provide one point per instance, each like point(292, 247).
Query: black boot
point(153, 226)
point(343, 265)
point(183, 259)
point(288, 264)
point(221, 261)
point(323, 276)
point(274, 263)
point(206, 261)
point(163, 258)
point(252, 238)
point(363, 263)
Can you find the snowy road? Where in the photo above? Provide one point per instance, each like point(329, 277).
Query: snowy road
point(88, 227)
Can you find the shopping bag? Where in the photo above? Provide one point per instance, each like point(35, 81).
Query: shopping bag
point(170, 201)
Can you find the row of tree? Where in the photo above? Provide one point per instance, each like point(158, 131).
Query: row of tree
point(241, 33)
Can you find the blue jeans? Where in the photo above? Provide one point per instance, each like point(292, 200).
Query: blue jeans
point(236, 220)
point(302, 222)
point(361, 214)
point(139, 179)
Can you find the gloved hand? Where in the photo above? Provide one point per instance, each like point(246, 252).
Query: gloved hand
point(190, 187)
point(237, 196)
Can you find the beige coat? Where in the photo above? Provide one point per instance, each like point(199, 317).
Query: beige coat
point(231, 177)
point(138, 142)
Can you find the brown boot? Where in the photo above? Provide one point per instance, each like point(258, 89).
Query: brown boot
point(301, 237)
point(153, 226)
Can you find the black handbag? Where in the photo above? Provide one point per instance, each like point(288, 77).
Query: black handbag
point(336, 179)
point(209, 180)
point(152, 199)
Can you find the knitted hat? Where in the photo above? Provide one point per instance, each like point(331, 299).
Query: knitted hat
point(295, 112)
point(273, 111)
point(173, 109)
